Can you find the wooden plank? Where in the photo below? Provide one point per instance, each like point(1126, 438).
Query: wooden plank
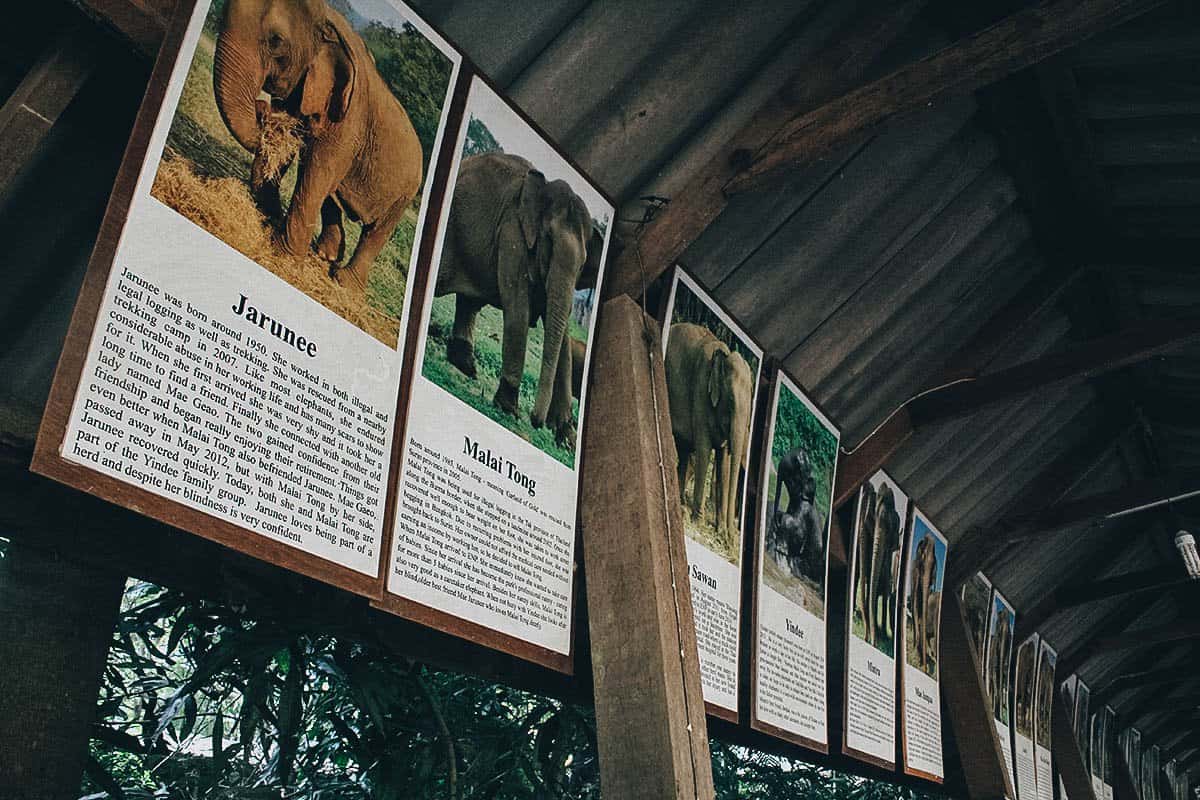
point(1137, 497)
point(35, 105)
point(969, 709)
point(1152, 677)
point(1077, 147)
point(56, 622)
point(693, 208)
point(1075, 775)
point(142, 22)
point(650, 720)
point(1018, 41)
point(1151, 142)
point(1073, 365)
point(1177, 631)
point(1146, 580)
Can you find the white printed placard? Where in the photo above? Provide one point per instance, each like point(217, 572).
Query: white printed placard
point(921, 715)
point(872, 620)
point(484, 532)
point(1043, 709)
point(241, 377)
point(998, 675)
point(712, 369)
point(789, 697)
point(1024, 688)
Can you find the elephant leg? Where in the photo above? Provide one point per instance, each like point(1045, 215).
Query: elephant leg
point(313, 185)
point(720, 476)
point(683, 452)
point(561, 419)
point(460, 350)
point(265, 189)
point(516, 333)
point(331, 244)
point(699, 478)
point(374, 236)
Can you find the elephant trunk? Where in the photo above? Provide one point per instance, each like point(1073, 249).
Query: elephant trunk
point(560, 288)
point(238, 72)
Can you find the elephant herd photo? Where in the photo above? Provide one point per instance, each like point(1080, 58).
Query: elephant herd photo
point(923, 606)
point(268, 149)
point(874, 582)
point(712, 381)
point(514, 280)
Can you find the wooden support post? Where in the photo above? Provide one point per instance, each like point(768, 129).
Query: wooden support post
point(969, 709)
point(1076, 776)
point(650, 725)
point(56, 622)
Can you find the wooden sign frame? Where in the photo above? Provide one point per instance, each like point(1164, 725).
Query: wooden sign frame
point(411, 609)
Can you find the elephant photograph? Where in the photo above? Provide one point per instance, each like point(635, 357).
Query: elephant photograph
point(1023, 680)
point(999, 657)
point(712, 372)
point(923, 596)
point(517, 271)
point(303, 137)
point(976, 594)
point(1043, 702)
point(875, 578)
point(799, 492)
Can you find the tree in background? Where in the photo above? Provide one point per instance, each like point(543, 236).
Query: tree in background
point(479, 139)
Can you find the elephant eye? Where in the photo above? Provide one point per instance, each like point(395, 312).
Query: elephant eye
point(275, 42)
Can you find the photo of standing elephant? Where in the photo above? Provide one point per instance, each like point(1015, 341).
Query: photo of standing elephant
point(976, 597)
point(1026, 661)
point(999, 657)
point(298, 117)
point(520, 250)
point(712, 379)
point(926, 571)
point(799, 491)
point(875, 581)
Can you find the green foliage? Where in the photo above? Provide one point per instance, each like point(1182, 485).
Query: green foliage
point(254, 700)
point(478, 392)
point(479, 139)
point(796, 426)
point(418, 74)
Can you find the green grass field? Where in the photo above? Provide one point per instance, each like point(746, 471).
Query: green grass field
point(477, 392)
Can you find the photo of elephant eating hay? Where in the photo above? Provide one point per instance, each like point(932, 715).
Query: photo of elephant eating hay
point(516, 278)
point(875, 567)
point(799, 493)
point(923, 596)
point(303, 138)
point(712, 385)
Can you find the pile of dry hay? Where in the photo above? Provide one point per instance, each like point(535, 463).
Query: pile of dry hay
point(279, 140)
point(224, 208)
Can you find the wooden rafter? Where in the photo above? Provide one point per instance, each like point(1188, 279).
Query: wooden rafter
point(1179, 630)
point(1146, 580)
point(835, 70)
point(142, 22)
point(1152, 677)
point(1019, 41)
point(35, 105)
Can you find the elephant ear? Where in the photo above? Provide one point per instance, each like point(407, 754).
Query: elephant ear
point(329, 83)
point(529, 206)
point(718, 366)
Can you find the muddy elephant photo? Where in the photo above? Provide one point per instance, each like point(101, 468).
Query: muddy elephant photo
point(796, 532)
point(876, 565)
point(925, 572)
point(520, 252)
point(712, 381)
point(302, 139)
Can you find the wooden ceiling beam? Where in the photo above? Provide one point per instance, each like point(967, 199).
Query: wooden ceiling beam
point(1179, 630)
point(1016, 42)
point(1084, 361)
point(1011, 321)
point(35, 105)
point(836, 69)
point(1138, 497)
point(142, 22)
point(1152, 677)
